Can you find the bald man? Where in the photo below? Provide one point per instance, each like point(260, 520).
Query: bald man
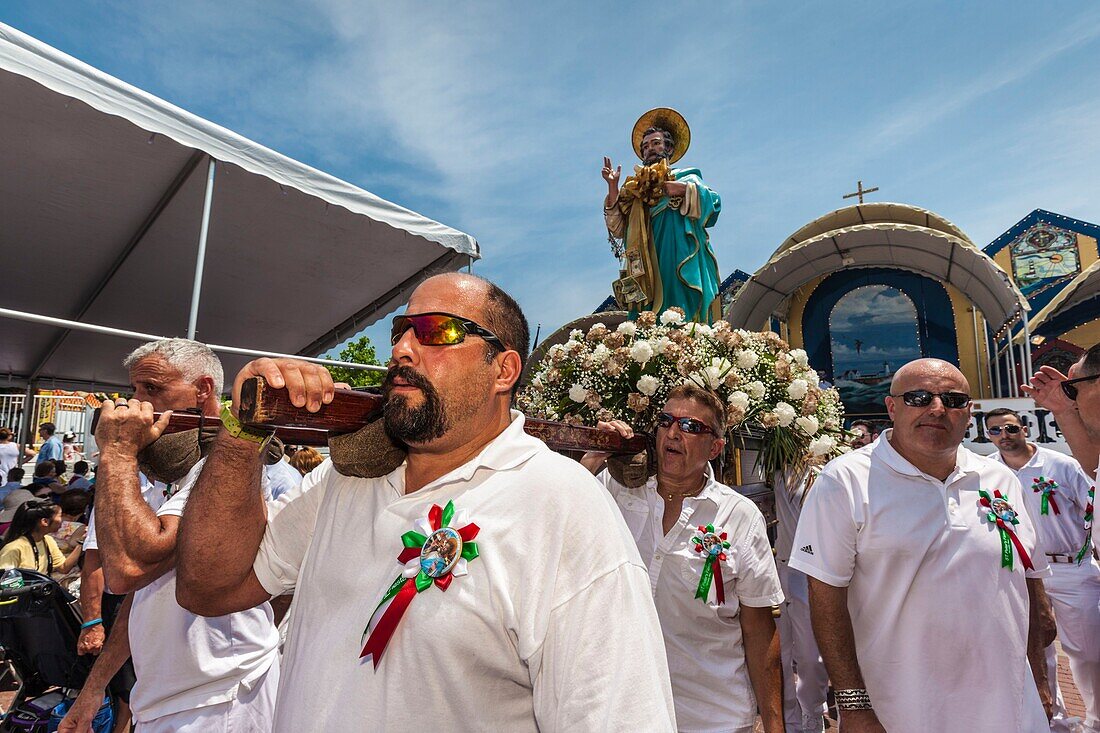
point(926, 611)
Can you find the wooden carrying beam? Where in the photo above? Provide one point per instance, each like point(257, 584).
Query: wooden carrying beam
point(269, 408)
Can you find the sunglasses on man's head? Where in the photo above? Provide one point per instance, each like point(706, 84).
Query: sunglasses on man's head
point(687, 424)
point(440, 329)
point(1069, 387)
point(923, 398)
point(998, 429)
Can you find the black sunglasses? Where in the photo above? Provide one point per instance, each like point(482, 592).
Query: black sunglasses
point(440, 329)
point(998, 429)
point(687, 424)
point(1069, 387)
point(923, 398)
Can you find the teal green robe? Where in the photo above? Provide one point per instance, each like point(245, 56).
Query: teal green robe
point(689, 271)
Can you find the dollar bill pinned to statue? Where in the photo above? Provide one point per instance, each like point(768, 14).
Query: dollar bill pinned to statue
point(638, 275)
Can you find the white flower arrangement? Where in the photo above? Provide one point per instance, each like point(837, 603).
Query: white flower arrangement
point(627, 373)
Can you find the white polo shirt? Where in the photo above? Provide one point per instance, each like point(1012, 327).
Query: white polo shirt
point(184, 661)
point(1062, 533)
point(552, 628)
point(706, 655)
point(940, 627)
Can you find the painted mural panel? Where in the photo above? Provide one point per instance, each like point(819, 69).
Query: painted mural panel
point(873, 331)
point(1042, 257)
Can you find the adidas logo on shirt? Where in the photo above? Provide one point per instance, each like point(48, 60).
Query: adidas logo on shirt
point(808, 549)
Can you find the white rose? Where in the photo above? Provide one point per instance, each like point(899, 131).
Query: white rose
point(721, 364)
point(576, 334)
point(747, 359)
point(756, 390)
point(555, 349)
point(600, 354)
point(577, 393)
point(670, 318)
point(822, 445)
point(627, 328)
point(648, 385)
point(641, 351)
point(807, 424)
point(797, 389)
point(785, 412)
point(800, 357)
point(703, 331)
point(661, 343)
point(739, 400)
point(573, 347)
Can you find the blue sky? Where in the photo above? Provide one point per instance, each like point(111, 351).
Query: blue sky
point(494, 117)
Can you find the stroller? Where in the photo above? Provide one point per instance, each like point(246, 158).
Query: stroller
point(39, 627)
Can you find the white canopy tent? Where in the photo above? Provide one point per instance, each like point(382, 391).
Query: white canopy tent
point(122, 210)
point(881, 235)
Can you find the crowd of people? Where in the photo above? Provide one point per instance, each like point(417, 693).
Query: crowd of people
point(487, 583)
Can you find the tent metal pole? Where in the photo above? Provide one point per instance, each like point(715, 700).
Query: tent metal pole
point(1029, 367)
point(1011, 366)
point(26, 430)
point(977, 351)
point(204, 231)
point(108, 331)
point(995, 365)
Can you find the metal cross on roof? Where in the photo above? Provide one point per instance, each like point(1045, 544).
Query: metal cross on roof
point(860, 190)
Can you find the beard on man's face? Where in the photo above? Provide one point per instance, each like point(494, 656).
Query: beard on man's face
point(656, 156)
point(406, 422)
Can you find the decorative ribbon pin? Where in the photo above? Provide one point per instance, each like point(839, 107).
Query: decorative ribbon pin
point(1088, 527)
point(710, 543)
point(434, 552)
point(1046, 487)
point(1003, 515)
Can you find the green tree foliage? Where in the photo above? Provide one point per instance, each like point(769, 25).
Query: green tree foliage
point(360, 351)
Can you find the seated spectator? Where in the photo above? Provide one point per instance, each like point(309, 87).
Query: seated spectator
point(306, 459)
point(28, 544)
point(45, 480)
point(9, 452)
point(62, 468)
point(80, 481)
point(15, 481)
point(15, 499)
point(74, 519)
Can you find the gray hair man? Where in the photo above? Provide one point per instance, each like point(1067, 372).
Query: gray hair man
point(193, 673)
point(925, 595)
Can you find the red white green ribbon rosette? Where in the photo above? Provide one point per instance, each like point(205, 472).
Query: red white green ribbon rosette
point(711, 543)
point(436, 550)
point(1003, 515)
point(1046, 487)
point(1088, 526)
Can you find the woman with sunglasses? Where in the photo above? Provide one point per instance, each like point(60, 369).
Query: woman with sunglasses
point(711, 570)
point(28, 544)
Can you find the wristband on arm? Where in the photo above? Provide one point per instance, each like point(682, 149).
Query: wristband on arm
point(90, 624)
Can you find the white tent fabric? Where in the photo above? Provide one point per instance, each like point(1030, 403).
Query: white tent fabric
point(101, 202)
point(1083, 288)
point(889, 239)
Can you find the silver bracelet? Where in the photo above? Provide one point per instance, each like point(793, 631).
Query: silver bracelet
point(857, 699)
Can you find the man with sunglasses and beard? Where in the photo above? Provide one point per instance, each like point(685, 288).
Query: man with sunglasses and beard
point(546, 622)
point(720, 636)
point(925, 590)
point(1074, 402)
point(1056, 495)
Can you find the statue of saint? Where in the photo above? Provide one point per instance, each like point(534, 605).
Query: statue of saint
point(658, 224)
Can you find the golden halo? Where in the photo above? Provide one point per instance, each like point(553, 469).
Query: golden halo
point(665, 118)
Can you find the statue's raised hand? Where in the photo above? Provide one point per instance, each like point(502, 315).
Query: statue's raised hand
point(611, 175)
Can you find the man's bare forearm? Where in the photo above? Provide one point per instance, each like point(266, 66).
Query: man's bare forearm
point(1083, 447)
point(762, 658)
point(91, 586)
point(127, 529)
point(1041, 630)
point(115, 652)
point(228, 488)
point(832, 625)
